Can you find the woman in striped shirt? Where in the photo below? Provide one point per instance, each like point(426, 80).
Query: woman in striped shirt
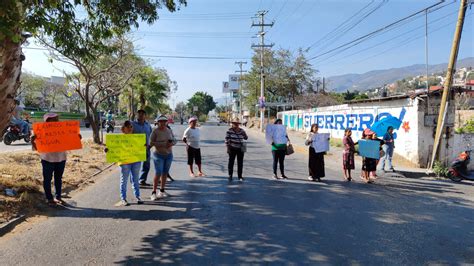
point(234, 140)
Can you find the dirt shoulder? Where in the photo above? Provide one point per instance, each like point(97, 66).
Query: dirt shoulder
point(22, 173)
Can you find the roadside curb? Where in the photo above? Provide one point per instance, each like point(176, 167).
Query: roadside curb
point(10, 225)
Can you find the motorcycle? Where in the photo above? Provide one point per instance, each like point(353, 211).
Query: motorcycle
point(13, 133)
point(458, 170)
point(110, 125)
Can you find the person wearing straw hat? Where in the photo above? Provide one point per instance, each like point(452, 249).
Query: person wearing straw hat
point(163, 140)
point(53, 164)
point(234, 140)
point(191, 138)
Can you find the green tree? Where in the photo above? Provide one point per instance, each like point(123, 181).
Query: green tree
point(149, 90)
point(71, 35)
point(204, 103)
point(288, 75)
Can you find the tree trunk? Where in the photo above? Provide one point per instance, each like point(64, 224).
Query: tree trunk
point(10, 71)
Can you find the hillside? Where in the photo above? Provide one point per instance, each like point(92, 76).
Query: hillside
point(376, 78)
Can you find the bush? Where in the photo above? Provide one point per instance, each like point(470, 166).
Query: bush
point(202, 118)
point(467, 128)
point(440, 170)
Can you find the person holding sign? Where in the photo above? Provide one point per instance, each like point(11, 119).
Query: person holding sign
point(369, 165)
point(163, 140)
point(191, 138)
point(279, 140)
point(316, 157)
point(53, 163)
point(128, 171)
point(348, 154)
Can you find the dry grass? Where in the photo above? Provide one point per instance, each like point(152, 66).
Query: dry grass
point(22, 171)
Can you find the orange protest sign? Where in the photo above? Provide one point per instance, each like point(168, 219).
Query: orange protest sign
point(57, 136)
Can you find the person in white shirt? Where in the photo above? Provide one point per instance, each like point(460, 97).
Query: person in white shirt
point(191, 138)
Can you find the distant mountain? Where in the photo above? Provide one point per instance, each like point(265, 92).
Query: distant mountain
point(377, 78)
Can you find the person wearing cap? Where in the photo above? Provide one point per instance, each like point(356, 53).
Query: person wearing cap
point(53, 164)
point(163, 140)
point(141, 126)
point(191, 138)
point(234, 140)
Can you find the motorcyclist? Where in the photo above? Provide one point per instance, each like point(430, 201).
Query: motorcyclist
point(16, 119)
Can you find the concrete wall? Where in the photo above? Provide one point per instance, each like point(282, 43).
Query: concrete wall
point(462, 116)
point(414, 139)
point(461, 143)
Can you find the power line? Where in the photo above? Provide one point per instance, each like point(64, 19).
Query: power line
point(380, 43)
point(382, 29)
point(407, 41)
point(340, 25)
point(168, 56)
point(357, 22)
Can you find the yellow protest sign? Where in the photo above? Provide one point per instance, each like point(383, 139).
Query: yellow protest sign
point(126, 148)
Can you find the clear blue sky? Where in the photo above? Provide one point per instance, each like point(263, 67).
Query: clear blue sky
point(217, 28)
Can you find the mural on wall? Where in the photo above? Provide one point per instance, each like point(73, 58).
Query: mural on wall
point(337, 121)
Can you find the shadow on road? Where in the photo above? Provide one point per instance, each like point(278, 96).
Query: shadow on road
point(263, 221)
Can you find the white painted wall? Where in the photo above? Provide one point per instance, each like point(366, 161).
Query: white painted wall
point(414, 139)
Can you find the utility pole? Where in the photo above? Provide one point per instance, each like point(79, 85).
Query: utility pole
point(426, 57)
point(449, 79)
point(240, 71)
point(262, 46)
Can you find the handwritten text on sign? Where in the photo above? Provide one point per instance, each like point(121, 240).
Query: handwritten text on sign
point(57, 136)
point(126, 148)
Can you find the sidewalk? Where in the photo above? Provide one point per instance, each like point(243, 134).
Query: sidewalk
point(334, 158)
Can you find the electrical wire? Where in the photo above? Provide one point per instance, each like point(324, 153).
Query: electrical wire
point(378, 31)
point(169, 56)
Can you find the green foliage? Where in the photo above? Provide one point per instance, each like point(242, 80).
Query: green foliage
point(287, 75)
point(354, 95)
point(73, 33)
point(150, 88)
point(440, 170)
point(202, 118)
point(203, 101)
point(467, 128)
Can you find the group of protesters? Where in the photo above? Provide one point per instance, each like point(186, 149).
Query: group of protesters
point(162, 139)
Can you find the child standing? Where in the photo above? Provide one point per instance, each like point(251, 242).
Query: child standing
point(129, 171)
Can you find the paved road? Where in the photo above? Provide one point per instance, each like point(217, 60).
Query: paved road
point(209, 221)
point(20, 145)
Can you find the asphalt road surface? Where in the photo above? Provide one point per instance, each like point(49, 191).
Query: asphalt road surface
point(21, 145)
point(208, 220)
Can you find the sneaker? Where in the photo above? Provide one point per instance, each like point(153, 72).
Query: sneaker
point(153, 196)
point(275, 177)
point(122, 203)
point(139, 201)
point(310, 178)
point(162, 195)
point(241, 179)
